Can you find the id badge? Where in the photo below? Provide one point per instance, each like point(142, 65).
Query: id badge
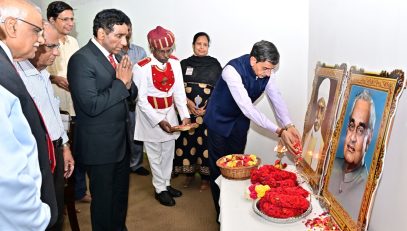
point(189, 71)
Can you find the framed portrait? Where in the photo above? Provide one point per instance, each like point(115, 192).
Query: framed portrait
point(358, 145)
point(319, 119)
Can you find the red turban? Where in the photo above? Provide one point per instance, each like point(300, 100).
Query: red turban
point(160, 38)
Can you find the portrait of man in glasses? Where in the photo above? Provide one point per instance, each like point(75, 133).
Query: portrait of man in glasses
point(349, 175)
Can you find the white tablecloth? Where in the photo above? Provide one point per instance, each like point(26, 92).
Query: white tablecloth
point(236, 212)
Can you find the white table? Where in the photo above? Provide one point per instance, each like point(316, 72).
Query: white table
point(236, 211)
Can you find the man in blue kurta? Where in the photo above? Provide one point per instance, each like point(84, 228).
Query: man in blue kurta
point(231, 108)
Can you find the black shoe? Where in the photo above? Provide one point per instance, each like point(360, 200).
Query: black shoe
point(165, 198)
point(174, 192)
point(141, 171)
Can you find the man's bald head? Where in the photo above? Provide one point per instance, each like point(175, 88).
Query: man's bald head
point(50, 33)
point(16, 7)
point(20, 27)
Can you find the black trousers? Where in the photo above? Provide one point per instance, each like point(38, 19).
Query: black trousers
point(219, 146)
point(109, 187)
point(59, 184)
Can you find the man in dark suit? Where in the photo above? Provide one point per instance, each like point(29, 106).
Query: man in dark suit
point(20, 36)
point(100, 86)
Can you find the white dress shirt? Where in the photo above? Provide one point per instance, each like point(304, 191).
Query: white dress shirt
point(7, 50)
point(40, 88)
point(20, 178)
point(103, 50)
point(242, 99)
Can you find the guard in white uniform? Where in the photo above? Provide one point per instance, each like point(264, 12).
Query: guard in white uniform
point(160, 87)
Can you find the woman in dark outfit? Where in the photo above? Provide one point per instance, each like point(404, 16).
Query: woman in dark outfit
point(201, 73)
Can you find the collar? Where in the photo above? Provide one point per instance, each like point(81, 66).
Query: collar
point(159, 64)
point(101, 48)
point(28, 69)
point(7, 50)
point(354, 175)
point(132, 46)
point(67, 40)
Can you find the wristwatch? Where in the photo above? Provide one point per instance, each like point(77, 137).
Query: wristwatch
point(280, 132)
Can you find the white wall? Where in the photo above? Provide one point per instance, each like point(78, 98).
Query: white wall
point(234, 26)
point(367, 33)
point(372, 35)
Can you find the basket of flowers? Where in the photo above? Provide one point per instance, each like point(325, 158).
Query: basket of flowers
point(237, 166)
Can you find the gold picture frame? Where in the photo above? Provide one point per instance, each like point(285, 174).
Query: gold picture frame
point(319, 119)
point(358, 145)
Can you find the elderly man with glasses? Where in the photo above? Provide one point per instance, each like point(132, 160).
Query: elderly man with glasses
point(349, 174)
point(36, 79)
point(20, 37)
point(161, 88)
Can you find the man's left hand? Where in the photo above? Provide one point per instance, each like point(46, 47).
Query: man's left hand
point(124, 71)
point(164, 125)
point(60, 81)
point(69, 162)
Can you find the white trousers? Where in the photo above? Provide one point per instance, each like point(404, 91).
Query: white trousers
point(160, 155)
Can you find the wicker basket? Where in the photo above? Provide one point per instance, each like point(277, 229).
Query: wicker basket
point(236, 173)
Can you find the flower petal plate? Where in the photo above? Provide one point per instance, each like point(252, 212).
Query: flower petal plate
point(182, 128)
point(280, 220)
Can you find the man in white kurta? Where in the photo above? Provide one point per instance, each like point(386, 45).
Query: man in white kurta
point(160, 89)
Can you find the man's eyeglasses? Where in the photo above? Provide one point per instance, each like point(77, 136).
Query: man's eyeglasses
point(66, 19)
point(37, 29)
point(51, 46)
point(360, 130)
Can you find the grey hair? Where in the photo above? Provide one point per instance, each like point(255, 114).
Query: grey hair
point(265, 51)
point(365, 95)
point(16, 12)
point(47, 25)
point(11, 11)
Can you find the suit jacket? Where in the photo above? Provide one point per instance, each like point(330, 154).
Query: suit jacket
point(102, 117)
point(10, 79)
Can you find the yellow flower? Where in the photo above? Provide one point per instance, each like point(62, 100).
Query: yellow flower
point(232, 163)
point(261, 190)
